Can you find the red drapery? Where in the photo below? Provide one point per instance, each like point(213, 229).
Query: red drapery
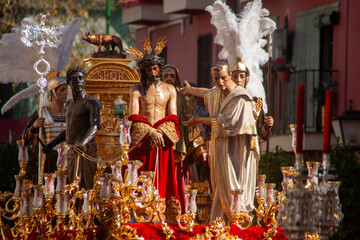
point(154, 232)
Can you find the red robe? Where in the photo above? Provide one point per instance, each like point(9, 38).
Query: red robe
point(165, 178)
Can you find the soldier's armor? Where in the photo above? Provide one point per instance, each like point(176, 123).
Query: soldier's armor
point(53, 125)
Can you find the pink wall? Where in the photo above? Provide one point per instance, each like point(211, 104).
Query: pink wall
point(279, 8)
point(182, 49)
point(15, 125)
point(352, 87)
point(345, 46)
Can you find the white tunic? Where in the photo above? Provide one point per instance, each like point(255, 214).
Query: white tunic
point(234, 149)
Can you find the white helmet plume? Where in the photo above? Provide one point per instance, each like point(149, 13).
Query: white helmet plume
point(242, 38)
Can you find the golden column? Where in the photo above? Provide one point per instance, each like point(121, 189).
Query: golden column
point(109, 78)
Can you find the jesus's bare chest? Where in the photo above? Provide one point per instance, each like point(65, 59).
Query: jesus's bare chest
point(155, 97)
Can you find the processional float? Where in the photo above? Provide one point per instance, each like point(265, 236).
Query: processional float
point(52, 207)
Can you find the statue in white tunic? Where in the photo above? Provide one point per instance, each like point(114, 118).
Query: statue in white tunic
point(234, 147)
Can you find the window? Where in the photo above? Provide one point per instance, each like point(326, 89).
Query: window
point(163, 54)
point(312, 56)
point(204, 60)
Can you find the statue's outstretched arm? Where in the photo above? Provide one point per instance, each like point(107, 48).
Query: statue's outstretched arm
point(194, 91)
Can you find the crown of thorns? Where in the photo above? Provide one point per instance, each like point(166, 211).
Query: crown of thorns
point(136, 53)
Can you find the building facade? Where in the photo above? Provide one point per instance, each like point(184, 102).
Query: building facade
point(315, 40)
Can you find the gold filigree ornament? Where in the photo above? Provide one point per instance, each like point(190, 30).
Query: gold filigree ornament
point(242, 220)
point(160, 45)
point(218, 230)
point(311, 236)
point(135, 52)
point(146, 45)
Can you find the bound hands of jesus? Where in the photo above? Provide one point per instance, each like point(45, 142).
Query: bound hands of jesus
point(156, 138)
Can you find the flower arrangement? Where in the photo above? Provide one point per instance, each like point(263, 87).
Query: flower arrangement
point(280, 64)
point(280, 68)
point(283, 69)
point(265, 69)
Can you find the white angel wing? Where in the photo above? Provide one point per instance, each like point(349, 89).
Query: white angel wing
point(28, 92)
point(63, 52)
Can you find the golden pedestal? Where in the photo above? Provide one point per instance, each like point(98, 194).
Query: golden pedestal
point(109, 78)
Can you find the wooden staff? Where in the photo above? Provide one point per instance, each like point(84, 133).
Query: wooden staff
point(268, 102)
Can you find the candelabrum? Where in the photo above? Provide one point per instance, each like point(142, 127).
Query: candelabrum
point(120, 195)
point(53, 207)
point(203, 201)
point(242, 219)
point(187, 221)
point(296, 213)
point(309, 210)
point(268, 206)
point(218, 230)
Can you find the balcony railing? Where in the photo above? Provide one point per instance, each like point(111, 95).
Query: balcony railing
point(282, 97)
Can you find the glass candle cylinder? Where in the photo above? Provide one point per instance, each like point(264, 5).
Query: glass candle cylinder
point(147, 179)
point(191, 206)
point(338, 215)
point(62, 161)
point(270, 192)
point(23, 152)
point(116, 171)
point(127, 134)
point(144, 179)
point(61, 177)
point(312, 179)
point(27, 206)
point(87, 202)
point(122, 136)
point(20, 185)
point(61, 202)
point(132, 172)
point(105, 185)
point(38, 201)
point(49, 184)
point(288, 173)
point(260, 182)
point(325, 164)
point(293, 138)
point(235, 206)
point(21, 209)
point(335, 186)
